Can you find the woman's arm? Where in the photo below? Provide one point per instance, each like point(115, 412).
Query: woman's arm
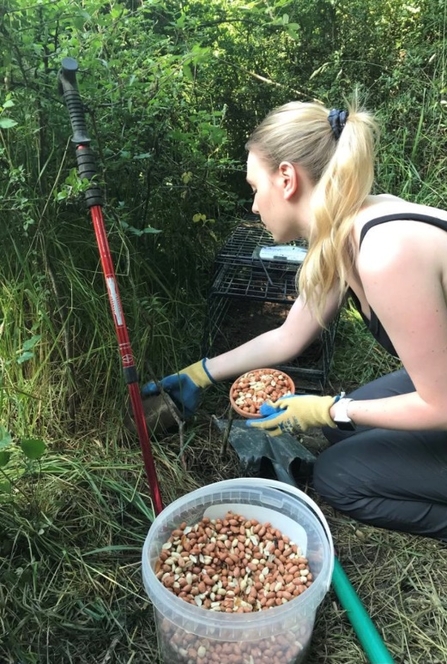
point(274, 347)
point(402, 271)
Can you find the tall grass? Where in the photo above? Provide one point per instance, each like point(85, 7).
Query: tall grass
point(72, 533)
point(70, 559)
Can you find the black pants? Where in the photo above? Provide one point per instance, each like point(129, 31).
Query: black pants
point(389, 479)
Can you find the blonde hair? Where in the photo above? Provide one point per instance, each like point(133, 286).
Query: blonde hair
point(342, 171)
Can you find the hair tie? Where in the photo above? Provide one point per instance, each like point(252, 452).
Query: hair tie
point(337, 120)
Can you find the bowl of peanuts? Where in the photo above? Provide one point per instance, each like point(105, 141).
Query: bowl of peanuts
point(253, 388)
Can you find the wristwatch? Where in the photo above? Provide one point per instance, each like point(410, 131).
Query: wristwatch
point(341, 417)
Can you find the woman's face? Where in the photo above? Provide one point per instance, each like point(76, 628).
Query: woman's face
point(271, 200)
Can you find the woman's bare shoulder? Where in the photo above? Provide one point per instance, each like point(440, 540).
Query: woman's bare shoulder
point(388, 204)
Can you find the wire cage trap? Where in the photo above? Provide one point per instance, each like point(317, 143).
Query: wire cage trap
point(252, 290)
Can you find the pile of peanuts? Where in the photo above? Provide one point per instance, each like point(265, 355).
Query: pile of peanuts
point(250, 390)
point(182, 647)
point(232, 565)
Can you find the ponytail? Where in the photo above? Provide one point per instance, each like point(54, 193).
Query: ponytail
point(336, 200)
point(340, 162)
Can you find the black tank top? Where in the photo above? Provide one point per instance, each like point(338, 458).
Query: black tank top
point(374, 325)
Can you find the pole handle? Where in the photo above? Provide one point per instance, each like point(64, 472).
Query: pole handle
point(68, 87)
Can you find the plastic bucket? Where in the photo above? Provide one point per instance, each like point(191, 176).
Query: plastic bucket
point(189, 634)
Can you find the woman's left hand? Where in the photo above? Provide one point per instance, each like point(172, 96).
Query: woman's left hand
point(293, 413)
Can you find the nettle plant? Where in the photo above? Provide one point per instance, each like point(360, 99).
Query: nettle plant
point(23, 458)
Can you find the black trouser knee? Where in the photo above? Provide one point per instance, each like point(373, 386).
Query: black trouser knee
point(386, 478)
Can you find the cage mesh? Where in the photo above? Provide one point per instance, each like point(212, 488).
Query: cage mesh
point(245, 286)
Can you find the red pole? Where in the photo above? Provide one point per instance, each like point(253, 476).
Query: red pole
point(87, 170)
point(125, 352)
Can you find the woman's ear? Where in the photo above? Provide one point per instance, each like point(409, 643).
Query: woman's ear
point(289, 179)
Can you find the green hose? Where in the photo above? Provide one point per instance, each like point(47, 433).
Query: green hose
point(362, 624)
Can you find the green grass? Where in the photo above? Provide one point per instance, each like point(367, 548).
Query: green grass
point(72, 529)
point(71, 589)
point(72, 534)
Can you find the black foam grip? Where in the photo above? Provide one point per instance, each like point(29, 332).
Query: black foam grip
point(84, 154)
point(87, 169)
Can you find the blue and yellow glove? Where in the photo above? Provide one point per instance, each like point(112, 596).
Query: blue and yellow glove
point(293, 413)
point(184, 387)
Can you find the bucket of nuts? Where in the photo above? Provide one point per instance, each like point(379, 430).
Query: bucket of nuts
point(252, 389)
point(236, 571)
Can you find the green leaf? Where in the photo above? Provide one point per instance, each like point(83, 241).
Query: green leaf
point(28, 355)
point(292, 32)
point(7, 123)
point(198, 217)
point(4, 458)
point(5, 487)
point(30, 343)
point(33, 448)
point(138, 231)
point(187, 72)
point(143, 155)
point(5, 438)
